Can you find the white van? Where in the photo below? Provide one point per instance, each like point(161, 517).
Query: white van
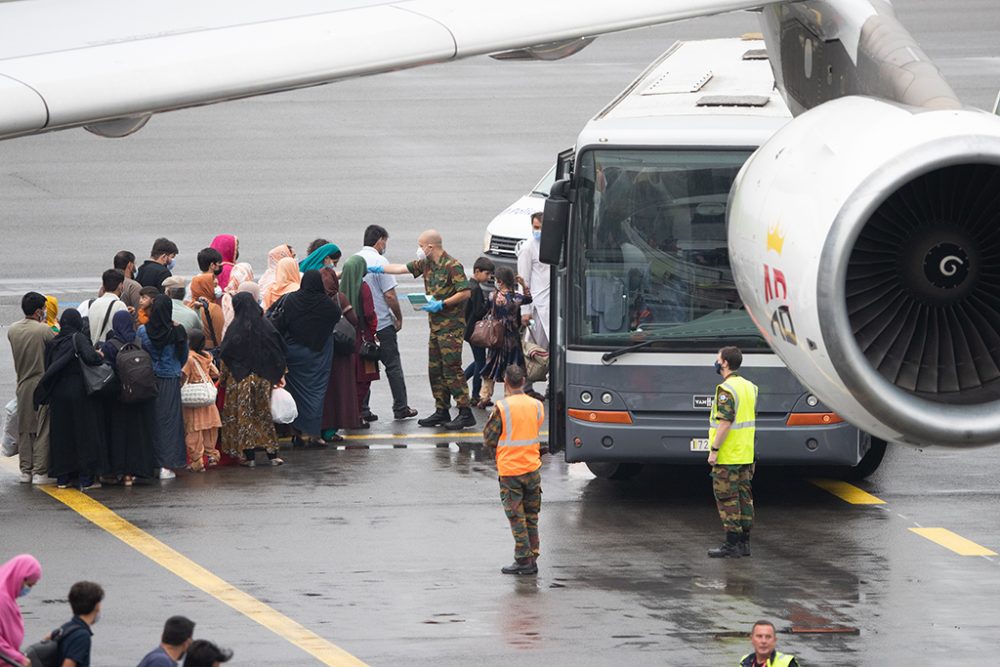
point(508, 231)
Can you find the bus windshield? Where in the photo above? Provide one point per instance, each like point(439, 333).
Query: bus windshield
point(648, 253)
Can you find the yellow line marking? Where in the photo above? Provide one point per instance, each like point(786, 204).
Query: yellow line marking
point(185, 568)
point(953, 541)
point(847, 492)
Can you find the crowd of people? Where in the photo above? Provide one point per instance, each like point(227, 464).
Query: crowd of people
point(158, 373)
point(69, 645)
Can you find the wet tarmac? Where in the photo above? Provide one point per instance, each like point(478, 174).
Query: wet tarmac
point(392, 552)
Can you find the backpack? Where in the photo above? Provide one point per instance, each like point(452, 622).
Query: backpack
point(135, 372)
point(46, 652)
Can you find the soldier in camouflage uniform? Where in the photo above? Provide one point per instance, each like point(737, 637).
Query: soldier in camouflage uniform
point(448, 289)
point(731, 453)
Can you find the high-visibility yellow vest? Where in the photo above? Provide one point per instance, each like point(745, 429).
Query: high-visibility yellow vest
point(779, 660)
point(518, 449)
point(737, 448)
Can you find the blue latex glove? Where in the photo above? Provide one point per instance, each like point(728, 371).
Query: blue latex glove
point(376, 269)
point(433, 306)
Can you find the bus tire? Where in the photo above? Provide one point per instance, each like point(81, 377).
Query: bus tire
point(869, 463)
point(615, 471)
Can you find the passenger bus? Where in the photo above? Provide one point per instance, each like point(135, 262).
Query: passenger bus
point(642, 292)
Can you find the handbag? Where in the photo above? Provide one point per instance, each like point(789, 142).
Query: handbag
point(199, 394)
point(536, 359)
point(97, 378)
point(370, 350)
point(488, 332)
point(283, 408)
point(344, 337)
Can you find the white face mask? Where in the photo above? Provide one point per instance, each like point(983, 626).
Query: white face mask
point(421, 255)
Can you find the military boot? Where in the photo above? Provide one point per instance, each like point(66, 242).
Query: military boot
point(465, 419)
point(745, 544)
point(729, 549)
point(440, 416)
point(521, 566)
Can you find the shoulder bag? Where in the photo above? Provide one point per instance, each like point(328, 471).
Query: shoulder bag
point(96, 379)
point(199, 394)
point(370, 350)
point(488, 332)
point(344, 336)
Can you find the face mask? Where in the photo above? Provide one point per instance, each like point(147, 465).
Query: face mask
point(24, 591)
point(97, 617)
point(329, 264)
point(217, 271)
point(382, 251)
point(171, 264)
point(537, 233)
point(218, 292)
point(718, 367)
point(421, 255)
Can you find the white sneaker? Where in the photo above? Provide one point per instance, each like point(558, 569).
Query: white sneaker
point(25, 478)
point(166, 473)
point(38, 480)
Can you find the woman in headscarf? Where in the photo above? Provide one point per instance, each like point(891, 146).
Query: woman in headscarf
point(274, 256)
point(340, 410)
point(253, 361)
point(242, 273)
point(129, 425)
point(17, 577)
point(203, 302)
point(229, 247)
point(359, 295)
point(76, 420)
point(325, 256)
point(286, 280)
point(167, 344)
point(306, 321)
point(52, 313)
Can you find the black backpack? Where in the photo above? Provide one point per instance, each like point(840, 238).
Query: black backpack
point(46, 652)
point(135, 372)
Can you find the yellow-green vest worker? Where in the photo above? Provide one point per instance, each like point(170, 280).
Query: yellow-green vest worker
point(737, 448)
point(776, 660)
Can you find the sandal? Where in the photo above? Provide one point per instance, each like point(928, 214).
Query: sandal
point(248, 464)
point(127, 480)
point(277, 461)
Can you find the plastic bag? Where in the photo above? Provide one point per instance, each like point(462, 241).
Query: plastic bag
point(9, 444)
point(283, 409)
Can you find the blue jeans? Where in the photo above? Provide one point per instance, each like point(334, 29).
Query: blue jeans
point(475, 370)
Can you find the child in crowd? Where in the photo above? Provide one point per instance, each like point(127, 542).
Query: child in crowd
point(201, 424)
point(146, 296)
point(475, 309)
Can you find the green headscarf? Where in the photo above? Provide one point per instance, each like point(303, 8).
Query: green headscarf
point(316, 257)
point(350, 280)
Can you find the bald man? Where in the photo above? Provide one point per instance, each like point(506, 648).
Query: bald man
point(448, 289)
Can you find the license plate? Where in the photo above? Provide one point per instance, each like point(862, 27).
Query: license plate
point(699, 444)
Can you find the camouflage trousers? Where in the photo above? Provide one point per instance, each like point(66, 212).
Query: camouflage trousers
point(734, 496)
point(444, 368)
point(522, 499)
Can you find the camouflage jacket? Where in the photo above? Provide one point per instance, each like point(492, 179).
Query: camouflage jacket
point(443, 279)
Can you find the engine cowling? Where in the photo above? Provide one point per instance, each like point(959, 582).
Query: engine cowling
point(865, 241)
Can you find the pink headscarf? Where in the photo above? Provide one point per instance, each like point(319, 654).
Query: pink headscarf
point(12, 576)
point(226, 245)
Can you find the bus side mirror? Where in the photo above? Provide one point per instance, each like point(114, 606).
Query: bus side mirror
point(555, 223)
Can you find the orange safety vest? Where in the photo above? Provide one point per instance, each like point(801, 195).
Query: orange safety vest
point(518, 449)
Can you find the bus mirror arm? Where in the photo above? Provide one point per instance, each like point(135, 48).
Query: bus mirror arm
point(555, 223)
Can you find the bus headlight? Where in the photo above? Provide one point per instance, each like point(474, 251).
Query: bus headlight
point(586, 397)
point(812, 401)
point(606, 398)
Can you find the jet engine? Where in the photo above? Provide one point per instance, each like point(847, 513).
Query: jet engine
point(865, 241)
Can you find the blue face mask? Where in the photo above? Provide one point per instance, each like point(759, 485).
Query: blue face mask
point(24, 591)
point(171, 264)
point(718, 367)
point(537, 233)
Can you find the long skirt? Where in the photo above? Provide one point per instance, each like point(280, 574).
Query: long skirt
point(340, 404)
point(76, 429)
point(246, 417)
point(308, 373)
point(168, 427)
point(130, 437)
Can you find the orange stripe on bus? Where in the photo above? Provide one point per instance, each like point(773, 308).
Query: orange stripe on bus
point(601, 416)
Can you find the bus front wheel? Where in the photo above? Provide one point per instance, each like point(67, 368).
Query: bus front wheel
point(869, 463)
point(616, 471)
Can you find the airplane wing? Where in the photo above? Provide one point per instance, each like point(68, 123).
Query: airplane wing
point(109, 64)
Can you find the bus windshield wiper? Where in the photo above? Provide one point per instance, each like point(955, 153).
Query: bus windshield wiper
point(609, 357)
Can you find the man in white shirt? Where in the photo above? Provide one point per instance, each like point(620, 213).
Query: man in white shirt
point(390, 321)
point(535, 315)
point(104, 307)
